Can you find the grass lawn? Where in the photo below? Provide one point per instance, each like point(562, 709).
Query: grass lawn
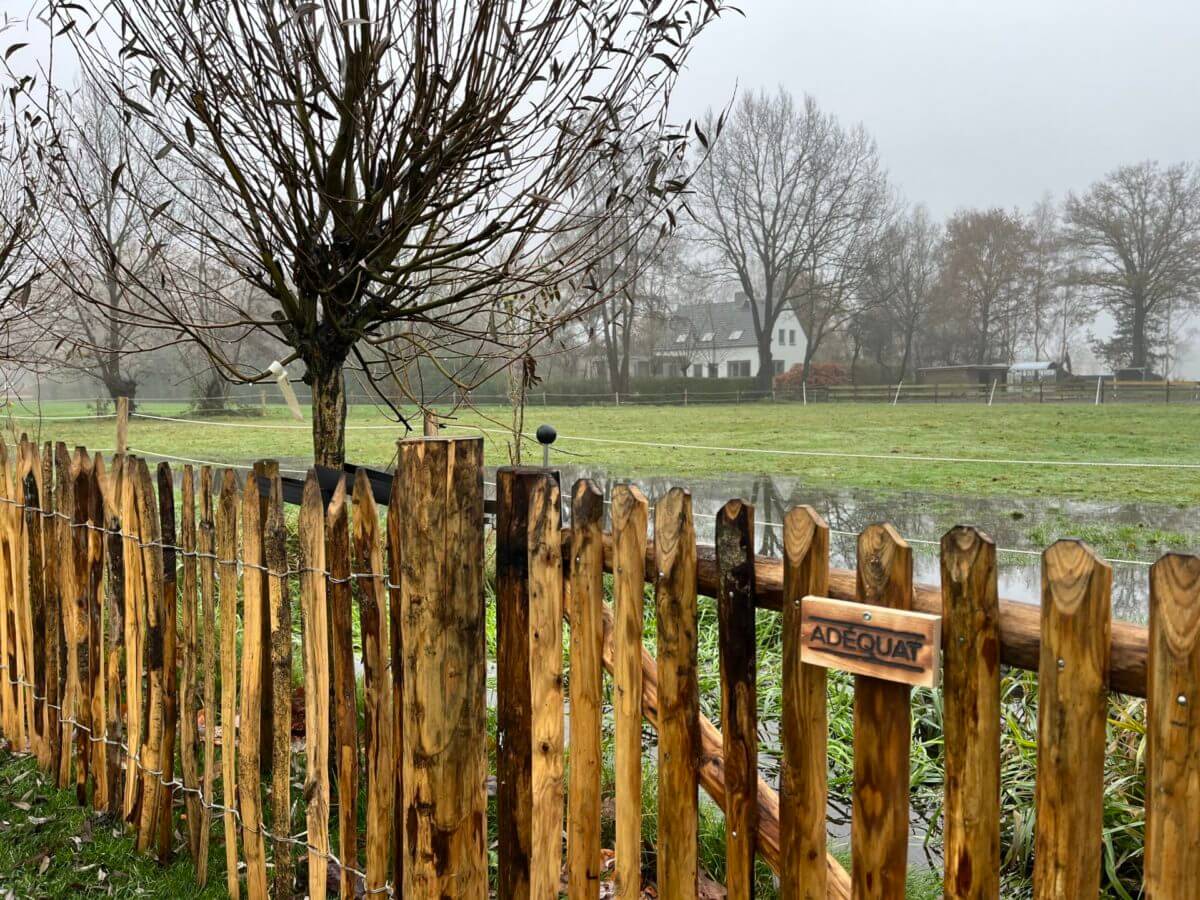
point(1114, 432)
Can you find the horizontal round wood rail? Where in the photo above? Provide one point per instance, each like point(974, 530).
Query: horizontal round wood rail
point(1020, 623)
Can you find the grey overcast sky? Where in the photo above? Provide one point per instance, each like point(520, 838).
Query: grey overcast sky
point(975, 103)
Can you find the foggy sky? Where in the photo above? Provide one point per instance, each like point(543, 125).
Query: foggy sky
point(975, 104)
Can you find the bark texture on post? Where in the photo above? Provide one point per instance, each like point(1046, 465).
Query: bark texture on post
point(445, 668)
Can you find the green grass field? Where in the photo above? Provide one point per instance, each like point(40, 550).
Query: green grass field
point(1111, 433)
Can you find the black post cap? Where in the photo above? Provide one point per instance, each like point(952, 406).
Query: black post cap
point(546, 434)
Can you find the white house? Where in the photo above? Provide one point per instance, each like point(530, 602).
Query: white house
point(716, 340)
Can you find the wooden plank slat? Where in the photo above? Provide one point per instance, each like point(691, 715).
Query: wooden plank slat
point(514, 766)
point(53, 606)
point(165, 821)
point(39, 569)
point(679, 699)
point(268, 469)
point(1072, 715)
point(445, 668)
point(737, 641)
point(1173, 729)
point(879, 827)
point(275, 553)
point(544, 544)
point(78, 650)
point(337, 538)
point(971, 714)
point(210, 638)
point(630, 516)
point(249, 748)
point(227, 556)
point(26, 491)
point(315, 617)
point(189, 663)
point(114, 628)
point(377, 719)
point(395, 563)
point(97, 658)
point(9, 642)
point(804, 787)
point(586, 689)
point(151, 760)
point(66, 602)
point(134, 620)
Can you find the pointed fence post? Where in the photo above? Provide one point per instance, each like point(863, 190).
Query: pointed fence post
point(445, 669)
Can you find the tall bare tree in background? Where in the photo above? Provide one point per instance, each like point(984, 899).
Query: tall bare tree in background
point(105, 239)
point(985, 277)
point(387, 165)
point(21, 329)
point(903, 280)
point(1138, 236)
point(787, 205)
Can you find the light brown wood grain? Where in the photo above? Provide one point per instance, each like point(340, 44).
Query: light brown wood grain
point(1072, 715)
point(114, 629)
point(630, 515)
point(38, 571)
point(165, 821)
point(585, 597)
point(679, 697)
point(79, 651)
point(134, 620)
point(1172, 868)
point(8, 689)
point(395, 564)
point(445, 668)
point(150, 759)
point(337, 555)
point(98, 687)
point(314, 613)
point(275, 554)
point(737, 647)
point(971, 714)
point(546, 686)
point(879, 825)
point(52, 489)
point(227, 570)
point(249, 748)
point(189, 663)
point(377, 688)
point(889, 645)
point(803, 787)
point(209, 639)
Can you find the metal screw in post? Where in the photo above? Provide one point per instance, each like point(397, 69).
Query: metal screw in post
point(546, 436)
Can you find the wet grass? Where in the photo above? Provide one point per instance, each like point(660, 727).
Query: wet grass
point(1081, 433)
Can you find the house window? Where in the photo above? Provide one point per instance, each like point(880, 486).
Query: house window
point(714, 370)
point(781, 337)
point(777, 365)
point(735, 335)
point(738, 368)
point(707, 336)
point(643, 368)
point(792, 337)
point(681, 339)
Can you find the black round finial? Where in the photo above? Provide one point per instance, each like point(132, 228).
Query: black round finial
point(546, 434)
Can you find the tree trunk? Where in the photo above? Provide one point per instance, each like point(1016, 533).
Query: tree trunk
point(1138, 338)
point(329, 417)
point(764, 380)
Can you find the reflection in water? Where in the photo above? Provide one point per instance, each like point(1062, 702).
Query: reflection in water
point(918, 517)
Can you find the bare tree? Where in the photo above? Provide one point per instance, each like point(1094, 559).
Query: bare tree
point(902, 281)
point(986, 265)
point(1138, 236)
point(1047, 271)
point(385, 165)
point(785, 205)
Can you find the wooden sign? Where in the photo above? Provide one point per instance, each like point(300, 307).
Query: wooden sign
point(891, 644)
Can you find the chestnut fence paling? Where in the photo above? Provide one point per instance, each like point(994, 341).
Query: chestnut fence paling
point(151, 694)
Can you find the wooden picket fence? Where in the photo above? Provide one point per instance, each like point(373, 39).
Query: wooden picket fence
point(129, 672)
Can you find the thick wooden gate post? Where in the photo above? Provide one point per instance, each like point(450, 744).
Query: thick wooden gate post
point(445, 668)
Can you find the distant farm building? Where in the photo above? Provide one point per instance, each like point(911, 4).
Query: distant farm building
point(984, 373)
